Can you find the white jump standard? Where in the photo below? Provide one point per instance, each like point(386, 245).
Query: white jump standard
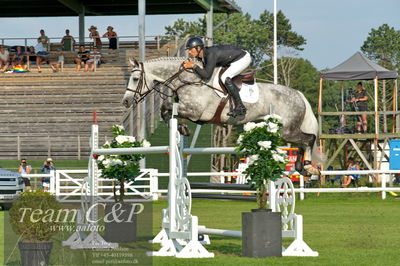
point(180, 231)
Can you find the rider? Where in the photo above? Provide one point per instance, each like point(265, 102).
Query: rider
point(235, 59)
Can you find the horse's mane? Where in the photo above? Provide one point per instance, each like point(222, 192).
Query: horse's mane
point(160, 59)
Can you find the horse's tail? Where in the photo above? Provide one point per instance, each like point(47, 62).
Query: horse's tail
point(316, 155)
point(310, 126)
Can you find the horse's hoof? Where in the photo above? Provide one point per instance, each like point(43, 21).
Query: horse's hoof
point(184, 130)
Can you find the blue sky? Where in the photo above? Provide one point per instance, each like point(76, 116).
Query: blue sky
point(334, 29)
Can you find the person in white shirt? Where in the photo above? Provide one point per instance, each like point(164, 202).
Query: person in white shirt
point(41, 54)
point(4, 59)
point(94, 59)
point(25, 169)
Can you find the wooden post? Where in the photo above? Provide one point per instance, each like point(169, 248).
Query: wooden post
point(377, 177)
point(320, 110)
point(18, 148)
point(79, 147)
point(320, 96)
point(396, 106)
point(394, 94)
point(384, 105)
point(48, 146)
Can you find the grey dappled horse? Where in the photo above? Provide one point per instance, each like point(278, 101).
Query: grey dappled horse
point(198, 102)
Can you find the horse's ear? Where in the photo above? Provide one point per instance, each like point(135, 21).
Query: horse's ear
point(134, 62)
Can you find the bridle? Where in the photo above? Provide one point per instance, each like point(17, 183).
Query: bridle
point(142, 83)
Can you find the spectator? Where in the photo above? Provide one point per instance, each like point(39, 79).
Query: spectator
point(4, 59)
point(361, 101)
point(94, 34)
point(57, 64)
point(19, 58)
point(31, 56)
point(82, 57)
point(352, 166)
point(44, 40)
point(41, 54)
point(112, 38)
point(67, 42)
point(25, 169)
point(94, 60)
point(48, 166)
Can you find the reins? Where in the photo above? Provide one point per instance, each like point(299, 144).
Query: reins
point(142, 83)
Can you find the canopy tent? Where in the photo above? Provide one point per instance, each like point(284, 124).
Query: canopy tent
point(358, 67)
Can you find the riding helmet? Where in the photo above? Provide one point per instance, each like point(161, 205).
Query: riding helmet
point(194, 42)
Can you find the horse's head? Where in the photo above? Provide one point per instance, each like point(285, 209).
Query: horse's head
point(137, 87)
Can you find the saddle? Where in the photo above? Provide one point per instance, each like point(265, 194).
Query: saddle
point(238, 80)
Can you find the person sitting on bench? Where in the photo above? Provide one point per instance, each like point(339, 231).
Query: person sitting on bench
point(348, 178)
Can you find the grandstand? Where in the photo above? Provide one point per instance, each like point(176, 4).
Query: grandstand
point(50, 114)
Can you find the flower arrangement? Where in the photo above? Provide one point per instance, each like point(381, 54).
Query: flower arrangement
point(265, 160)
point(121, 168)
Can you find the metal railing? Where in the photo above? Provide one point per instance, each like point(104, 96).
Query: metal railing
point(68, 184)
point(129, 41)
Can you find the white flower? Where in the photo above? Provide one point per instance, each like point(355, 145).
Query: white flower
point(107, 143)
point(239, 140)
point(261, 124)
point(116, 162)
point(280, 151)
point(120, 139)
point(101, 158)
point(274, 116)
point(272, 127)
point(131, 139)
point(265, 145)
point(249, 126)
point(119, 127)
point(277, 157)
point(146, 144)
point(107, 163)
point(253, 159)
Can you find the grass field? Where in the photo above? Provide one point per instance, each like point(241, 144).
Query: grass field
point(346, 229)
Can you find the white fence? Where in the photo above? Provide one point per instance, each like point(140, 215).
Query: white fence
point(69, 185)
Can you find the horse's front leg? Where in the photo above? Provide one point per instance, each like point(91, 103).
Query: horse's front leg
point(166, 111)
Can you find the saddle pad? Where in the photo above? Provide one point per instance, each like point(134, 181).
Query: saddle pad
point(249, 93)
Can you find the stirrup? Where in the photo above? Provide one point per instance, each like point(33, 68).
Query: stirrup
point(239, 111)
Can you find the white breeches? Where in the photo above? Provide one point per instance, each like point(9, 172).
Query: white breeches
point(237, 67)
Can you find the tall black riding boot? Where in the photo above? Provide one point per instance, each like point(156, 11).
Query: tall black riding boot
point(233, 91)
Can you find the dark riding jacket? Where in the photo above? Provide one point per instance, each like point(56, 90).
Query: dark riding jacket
point(218, 56)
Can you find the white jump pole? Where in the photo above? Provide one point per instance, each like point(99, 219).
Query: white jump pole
point(173, 129)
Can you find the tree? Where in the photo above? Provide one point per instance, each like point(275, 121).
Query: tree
point(383, 45)
point(183, 28)
point(241, 30)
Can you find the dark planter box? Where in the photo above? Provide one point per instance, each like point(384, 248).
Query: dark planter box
point(120, 231)
point(35, 254)
point(261, 234)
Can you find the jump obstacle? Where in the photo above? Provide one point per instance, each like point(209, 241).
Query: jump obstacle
point(181, 235)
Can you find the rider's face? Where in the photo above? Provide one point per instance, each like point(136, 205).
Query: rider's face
point(193, 52)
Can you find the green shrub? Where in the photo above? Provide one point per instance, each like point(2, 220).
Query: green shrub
point(34, 216)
